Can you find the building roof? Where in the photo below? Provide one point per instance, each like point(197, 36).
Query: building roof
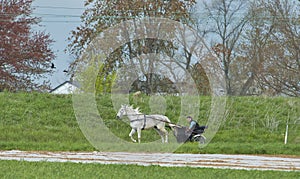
point(66, 87)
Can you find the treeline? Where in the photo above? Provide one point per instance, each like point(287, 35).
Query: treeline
point(255, 44)
point(231, 47)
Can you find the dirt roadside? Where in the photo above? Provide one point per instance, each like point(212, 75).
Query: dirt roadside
point(247, 162)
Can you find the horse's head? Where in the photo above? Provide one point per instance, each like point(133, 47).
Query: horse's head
point(122, 111)
point(126, 110)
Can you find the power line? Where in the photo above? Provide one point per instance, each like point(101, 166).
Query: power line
point(56, 15)
point(59, 7)
point(49, 21)
point(201, 15)
point(121, 16)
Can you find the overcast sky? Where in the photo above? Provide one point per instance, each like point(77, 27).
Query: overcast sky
point(59, 17)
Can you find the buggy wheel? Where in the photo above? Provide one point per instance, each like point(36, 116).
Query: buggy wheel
point(200, 138)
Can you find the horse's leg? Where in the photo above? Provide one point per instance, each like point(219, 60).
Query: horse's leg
point(165, 134)
point(131, 133)
point(139, 131)
point(161, 134)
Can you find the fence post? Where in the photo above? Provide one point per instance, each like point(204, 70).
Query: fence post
point(286, 130)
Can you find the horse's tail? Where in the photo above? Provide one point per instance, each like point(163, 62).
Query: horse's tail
point(170, 124)
point(168, 120)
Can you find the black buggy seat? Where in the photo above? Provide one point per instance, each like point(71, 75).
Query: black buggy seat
point(199, 130)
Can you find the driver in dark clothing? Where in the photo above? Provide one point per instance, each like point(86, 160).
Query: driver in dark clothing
point(194, 127)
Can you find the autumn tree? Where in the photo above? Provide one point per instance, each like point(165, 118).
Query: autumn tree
point(25, 54)
point(200, 77)
point(269, 54)
point(101, 15)
point(281, 73)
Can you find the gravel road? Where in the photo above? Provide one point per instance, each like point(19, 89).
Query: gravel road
point(247, 162)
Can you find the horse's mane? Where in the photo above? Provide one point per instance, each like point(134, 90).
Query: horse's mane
point(137, 110)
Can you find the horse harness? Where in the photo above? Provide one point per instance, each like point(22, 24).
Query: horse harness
point(139, 119)
point(144, 118)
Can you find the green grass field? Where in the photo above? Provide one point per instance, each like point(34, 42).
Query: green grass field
point(33, 121)
point(21, 169)
point(254, 125)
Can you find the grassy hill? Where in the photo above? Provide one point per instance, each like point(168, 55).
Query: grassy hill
point(253, 125)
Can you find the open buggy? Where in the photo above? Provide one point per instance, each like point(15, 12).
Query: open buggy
point(181, 134)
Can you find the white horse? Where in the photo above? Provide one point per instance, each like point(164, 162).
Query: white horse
point(140, 121)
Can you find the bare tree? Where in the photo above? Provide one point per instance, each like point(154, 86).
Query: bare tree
point(255, 44)
point(228, 19)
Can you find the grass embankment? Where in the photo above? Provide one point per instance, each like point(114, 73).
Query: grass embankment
point(32, 121)
point(254, 125)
